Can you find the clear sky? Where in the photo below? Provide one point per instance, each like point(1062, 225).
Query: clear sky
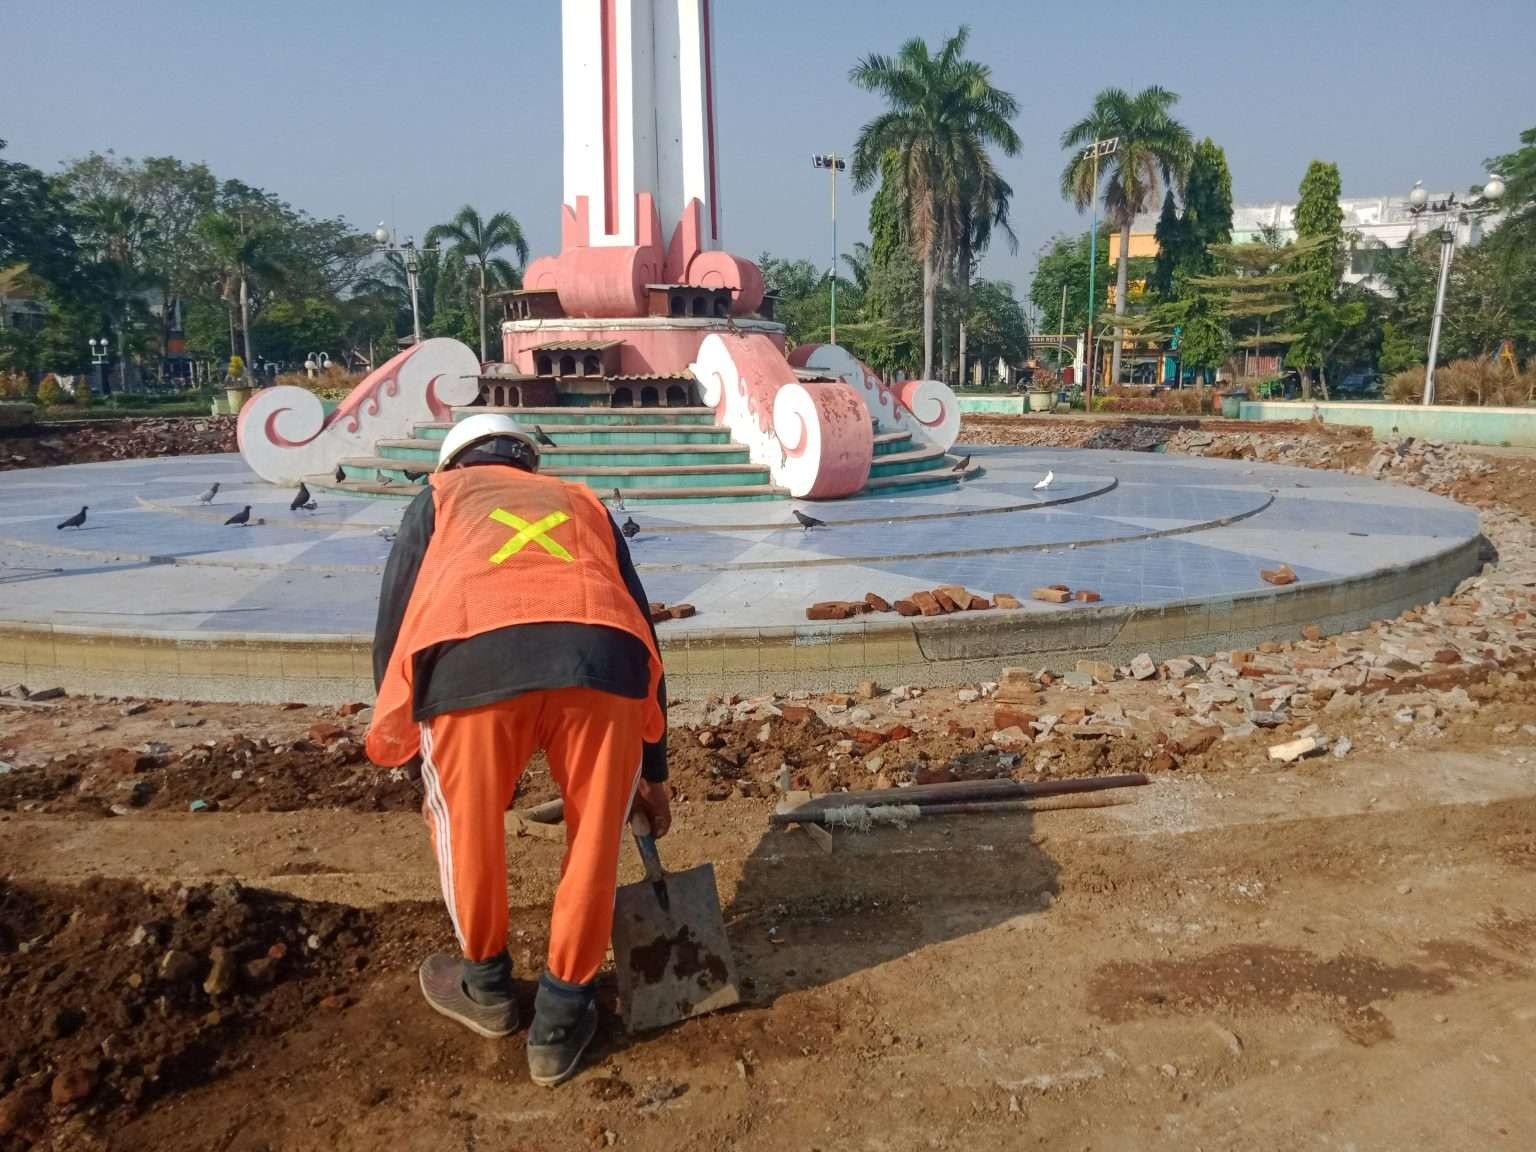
point(410, 109)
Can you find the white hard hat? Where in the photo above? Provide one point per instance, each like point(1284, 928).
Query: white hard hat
point(477, 430)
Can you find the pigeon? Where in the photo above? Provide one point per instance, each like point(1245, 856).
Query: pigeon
point(618, 501)
point(387, 534)
point(301, 499)
point(242, 517)
point(207, 497)
point(963, 463)
point(341, 474)
point(1403, 446)
point(1046, 483)
point(414, 477)
point(77, 520)
point(808, 522)
point(538, 434)
point(629, 528)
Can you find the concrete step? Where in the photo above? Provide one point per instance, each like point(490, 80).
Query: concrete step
point(888, 442)
point(388, 470)
point(580, 415)
point(914, 460)
point(633, 497)
point(611, 433)
point(591, 455)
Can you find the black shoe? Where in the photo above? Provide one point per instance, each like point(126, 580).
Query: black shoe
point(564, 1022)
point(442, 983)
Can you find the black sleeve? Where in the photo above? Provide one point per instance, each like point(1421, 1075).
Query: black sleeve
point(653, 763)
point(405, 558)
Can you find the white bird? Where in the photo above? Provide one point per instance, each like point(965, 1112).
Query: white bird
point(384, 533)
point(207, 497)
point(1046, 483)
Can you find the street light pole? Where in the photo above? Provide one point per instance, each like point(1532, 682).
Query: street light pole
point(1096, 150)
point(388, 244)
point(98, 359)
point(834, 164)
point(1455, 213)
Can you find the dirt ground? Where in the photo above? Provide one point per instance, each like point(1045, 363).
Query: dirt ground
point(210, 915)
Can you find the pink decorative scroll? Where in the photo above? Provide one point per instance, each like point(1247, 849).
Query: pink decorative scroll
point(925, 408)
point(813, 437)
point(286, 434)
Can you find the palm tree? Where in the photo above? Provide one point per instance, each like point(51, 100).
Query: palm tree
point(239, 253)
point(943, 114)
point(478, 242)
point(1153, 152)
point(117, 231)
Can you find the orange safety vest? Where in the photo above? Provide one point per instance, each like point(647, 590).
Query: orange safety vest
point(509, 547)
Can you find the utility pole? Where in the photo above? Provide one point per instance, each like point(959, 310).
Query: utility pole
point(1097, 149)
point(834, 164)
point(388, 243)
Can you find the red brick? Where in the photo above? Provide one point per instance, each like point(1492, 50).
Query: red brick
point(978, 604)
point(868, 737)
point(794, 713)
point(1012, 716)
point(1004, 600)
point(1084, 596)
point(947, 602)
point(1060, 587)
point(907, 608)
point(829, 610)
point(1281, 575)
point(324, 733)
point(878, 603)
point(1447, 656)
point(1311, 632)
point(1051, 595)
point(898, 732)
point(682, 611)
point(927, 604)
point(1270, 648)
point(659, 612)
point(350, 709)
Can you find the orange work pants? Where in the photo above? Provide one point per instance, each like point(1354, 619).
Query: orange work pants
point(471, 762)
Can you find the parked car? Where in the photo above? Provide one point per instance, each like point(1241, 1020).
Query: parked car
point(1360, 385)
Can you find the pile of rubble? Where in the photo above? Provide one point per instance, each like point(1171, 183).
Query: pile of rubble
point(91, 441)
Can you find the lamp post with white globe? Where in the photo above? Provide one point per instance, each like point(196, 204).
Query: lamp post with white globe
point(1455, 213)
point(408, 252)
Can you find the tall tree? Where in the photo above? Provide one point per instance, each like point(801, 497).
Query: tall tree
point(1153, 153)
point(1061, 272)
point(238, 252)
point(479, 242)
point(1171, 241)
point(1324, 314)
point(943, 114)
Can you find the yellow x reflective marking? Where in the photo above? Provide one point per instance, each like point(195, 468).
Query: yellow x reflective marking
point(526, 532)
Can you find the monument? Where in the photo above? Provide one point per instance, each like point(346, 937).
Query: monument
point(644, 307)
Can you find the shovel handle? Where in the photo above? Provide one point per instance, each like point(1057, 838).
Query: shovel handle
point(640, 825)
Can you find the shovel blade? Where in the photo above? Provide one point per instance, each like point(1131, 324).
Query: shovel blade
point(674, 962)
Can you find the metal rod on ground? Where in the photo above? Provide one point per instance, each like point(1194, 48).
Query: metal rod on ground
point(837, 817)
point(928, 796)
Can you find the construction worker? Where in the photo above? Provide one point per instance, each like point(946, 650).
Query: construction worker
point(511, 619)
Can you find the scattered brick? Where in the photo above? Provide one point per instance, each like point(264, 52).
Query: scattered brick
point(829, 610)
point(898, 732)
point(795, 713)
point(1084, 596)
point(978, 604)
point(1004, 600)
point(682, 611)
point(878, 603)
point(907, 608)
point(351, 709)
point(868, 737)
point(948, 602)
point(1012, 716)
point(323, 733)
point(1051, 595)
point(1447, 656)
point(1100, 670)
point(1311, 632)
point(927, 604)
point(1281, 575)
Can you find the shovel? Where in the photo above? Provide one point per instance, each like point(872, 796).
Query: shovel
point(669, 943)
